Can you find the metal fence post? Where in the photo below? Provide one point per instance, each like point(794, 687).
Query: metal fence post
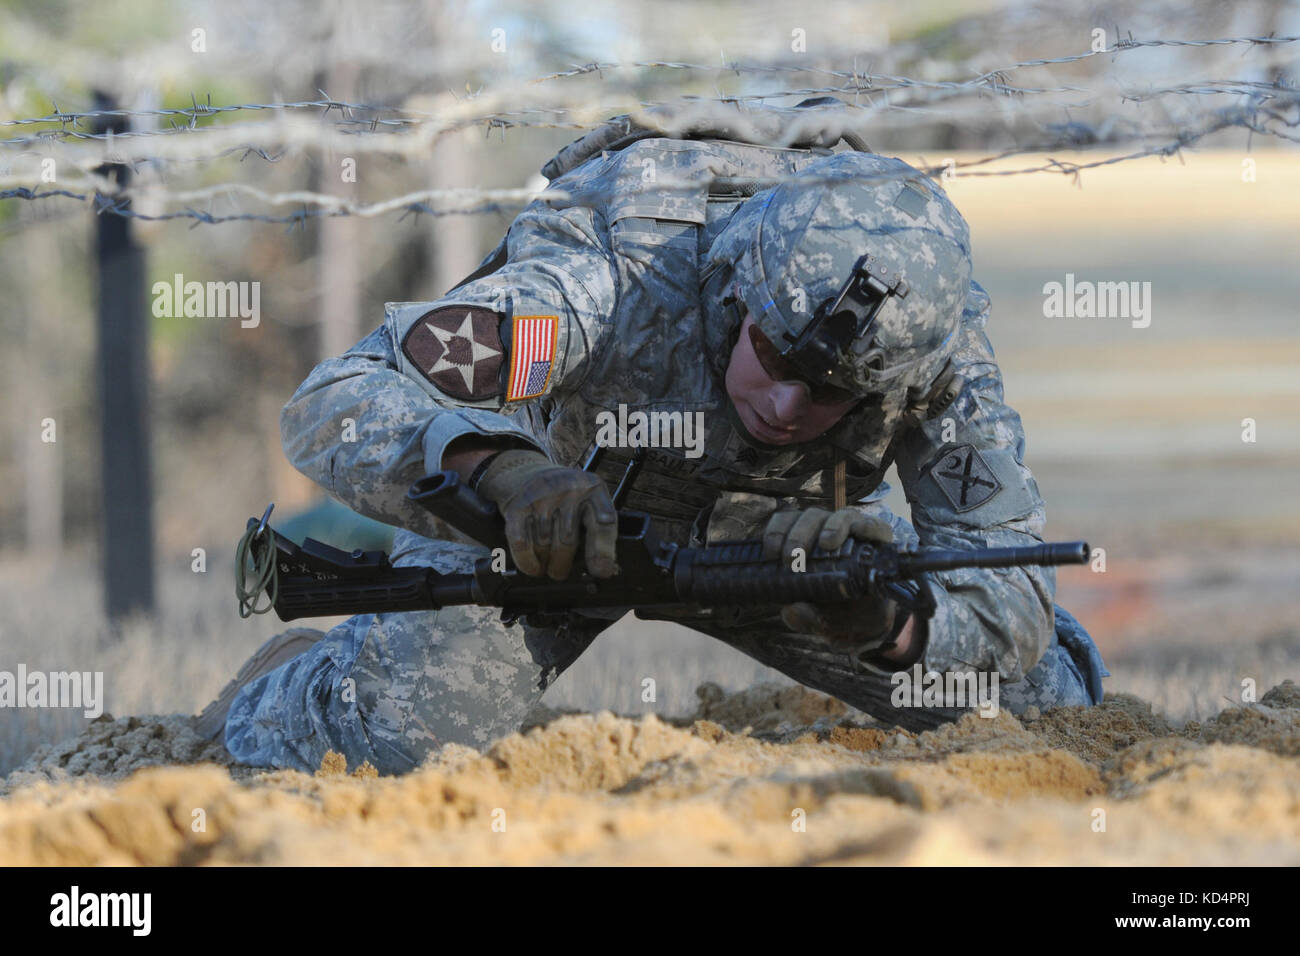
point(122, 374)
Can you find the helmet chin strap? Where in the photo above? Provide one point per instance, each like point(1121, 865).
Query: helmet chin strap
point(723, 315)
point(733, 307)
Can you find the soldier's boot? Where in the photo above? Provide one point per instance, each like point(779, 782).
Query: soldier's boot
point(280, 649)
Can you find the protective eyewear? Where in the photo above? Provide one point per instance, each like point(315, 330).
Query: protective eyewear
point(780, 370)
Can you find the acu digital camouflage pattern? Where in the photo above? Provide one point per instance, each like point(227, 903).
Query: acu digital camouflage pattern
point(633, 266)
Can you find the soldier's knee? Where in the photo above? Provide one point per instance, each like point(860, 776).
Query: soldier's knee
point(293, 715)
point(267, 724)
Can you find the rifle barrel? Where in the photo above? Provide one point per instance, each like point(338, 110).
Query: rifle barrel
point(1061, 552)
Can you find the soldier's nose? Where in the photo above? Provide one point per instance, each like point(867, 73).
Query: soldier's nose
point(789, 401)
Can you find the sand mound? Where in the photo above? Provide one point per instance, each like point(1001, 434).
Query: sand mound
point(766, 707)
point(1260, 726)
point(1095, 734)
point(1285, 694)
point(110, 749)
point(773, 774)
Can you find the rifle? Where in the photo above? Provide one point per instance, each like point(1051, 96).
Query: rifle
point(316, 579)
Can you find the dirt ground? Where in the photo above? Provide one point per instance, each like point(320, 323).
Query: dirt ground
point(770, 775)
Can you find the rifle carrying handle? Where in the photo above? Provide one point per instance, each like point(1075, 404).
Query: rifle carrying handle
point(445, 496)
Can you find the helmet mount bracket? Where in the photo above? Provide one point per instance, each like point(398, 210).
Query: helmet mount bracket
point(845, 322)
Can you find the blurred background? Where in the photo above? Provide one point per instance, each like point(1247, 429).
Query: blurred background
point(134, 447)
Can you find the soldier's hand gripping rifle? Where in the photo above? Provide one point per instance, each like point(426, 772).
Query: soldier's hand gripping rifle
point(316, 579)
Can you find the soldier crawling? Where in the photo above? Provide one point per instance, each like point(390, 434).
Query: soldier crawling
point(708, 294)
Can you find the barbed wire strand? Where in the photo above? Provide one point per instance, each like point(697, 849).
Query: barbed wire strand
point(1266, 103)
point(988, 81)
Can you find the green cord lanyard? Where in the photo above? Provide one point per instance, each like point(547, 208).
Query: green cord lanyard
point(255, 558)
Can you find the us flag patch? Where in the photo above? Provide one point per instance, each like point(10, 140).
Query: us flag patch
point(532, 353)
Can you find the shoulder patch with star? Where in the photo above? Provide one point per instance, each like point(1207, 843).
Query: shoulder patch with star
point(458, 349)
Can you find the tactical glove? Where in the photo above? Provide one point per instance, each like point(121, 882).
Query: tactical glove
point(545, 507)
point(854, 626)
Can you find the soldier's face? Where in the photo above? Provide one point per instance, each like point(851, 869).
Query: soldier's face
point(775, 412)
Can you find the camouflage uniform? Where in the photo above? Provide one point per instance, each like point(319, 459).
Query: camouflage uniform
point(614, 296)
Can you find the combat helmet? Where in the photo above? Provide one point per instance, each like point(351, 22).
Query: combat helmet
point(856, 268)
